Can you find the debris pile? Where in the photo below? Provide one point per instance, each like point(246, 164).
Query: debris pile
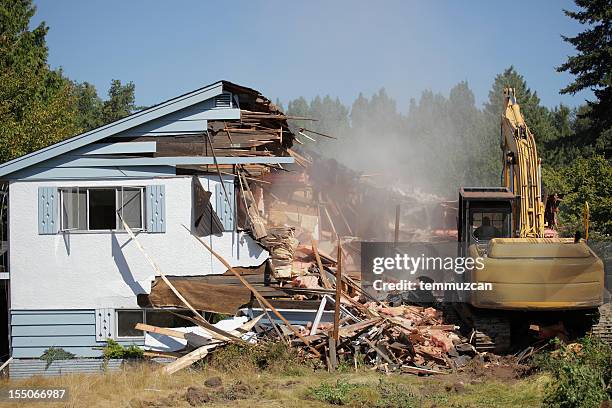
point(406, 338)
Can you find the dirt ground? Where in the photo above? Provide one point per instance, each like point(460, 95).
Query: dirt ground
point(143, 386)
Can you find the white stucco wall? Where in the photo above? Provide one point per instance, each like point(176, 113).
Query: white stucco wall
point(106, 269)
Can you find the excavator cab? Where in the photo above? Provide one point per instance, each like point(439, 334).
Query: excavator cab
point(484, 213)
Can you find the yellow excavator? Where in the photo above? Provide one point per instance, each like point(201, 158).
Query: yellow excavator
point(534, 280)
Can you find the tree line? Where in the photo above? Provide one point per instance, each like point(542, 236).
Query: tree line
point(444, 142)
point(440, 143)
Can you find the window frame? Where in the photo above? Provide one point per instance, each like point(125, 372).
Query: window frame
point(116, 331)
point(119, 195)
point(118, 199)
point(62, 227)
point(144, 312)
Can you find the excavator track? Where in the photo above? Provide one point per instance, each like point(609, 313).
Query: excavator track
point(603, 328)
point(491, 334)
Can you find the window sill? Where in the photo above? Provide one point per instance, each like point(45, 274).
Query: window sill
point(109, 231)
point(117, 338)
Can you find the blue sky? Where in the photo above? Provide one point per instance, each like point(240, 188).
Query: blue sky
point(287, 48)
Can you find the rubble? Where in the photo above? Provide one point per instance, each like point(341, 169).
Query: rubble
point(405, 338)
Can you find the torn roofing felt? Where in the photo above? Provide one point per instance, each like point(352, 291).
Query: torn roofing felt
point(212, 293)
point(205, 219)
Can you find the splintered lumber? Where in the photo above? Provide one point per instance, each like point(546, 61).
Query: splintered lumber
point(215, 332)
point(350, 330)
point(338, 293)
point(317, 319)
point(322, 272)
point(7, 362)
point(255, 292)
point(333, 359)
point(317, 133)
point(381, 353)
point(188, 359)
point(257, 225)
point(160, 330)
point(162, 354)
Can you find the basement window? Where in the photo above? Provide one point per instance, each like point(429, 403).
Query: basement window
point(100, 209)
point(128, 319)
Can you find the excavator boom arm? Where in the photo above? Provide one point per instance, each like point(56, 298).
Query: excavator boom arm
point(522, 173)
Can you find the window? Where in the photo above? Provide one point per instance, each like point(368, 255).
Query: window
point(95, 209)
point(127, 320)
point(101, 211)
point(490, 224)
point(224, 100)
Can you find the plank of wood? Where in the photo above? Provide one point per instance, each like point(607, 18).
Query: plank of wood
point(162, 354)
point(6, 363)
point(322, 272)
point(254, 291)
point(317, 319)
point(348, 331)
point(443, 327)
point(188, 359)
point(338, 294)
point(160, 330)
point(333, 358)
point(379, 351)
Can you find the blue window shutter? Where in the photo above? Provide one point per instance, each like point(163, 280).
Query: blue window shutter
point(48, 210)
point(226, 211)
point(156, 208)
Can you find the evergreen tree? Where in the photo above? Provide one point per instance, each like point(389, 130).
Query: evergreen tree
point(89, 105)
point(592, 67)
point(120, 103)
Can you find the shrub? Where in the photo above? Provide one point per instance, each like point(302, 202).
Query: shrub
point(274, 356)
point(582, 374)
point(116, 350)
point(55, 353)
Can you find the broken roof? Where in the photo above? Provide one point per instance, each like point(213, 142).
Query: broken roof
point(221, 106)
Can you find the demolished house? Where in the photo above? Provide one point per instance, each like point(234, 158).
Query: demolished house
point(74, 277)
point(206, 203)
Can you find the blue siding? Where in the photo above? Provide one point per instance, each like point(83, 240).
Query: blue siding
point(27, 368)
point(34, 331)
point(63, 330)
point(59, 317)
point(36, 352)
